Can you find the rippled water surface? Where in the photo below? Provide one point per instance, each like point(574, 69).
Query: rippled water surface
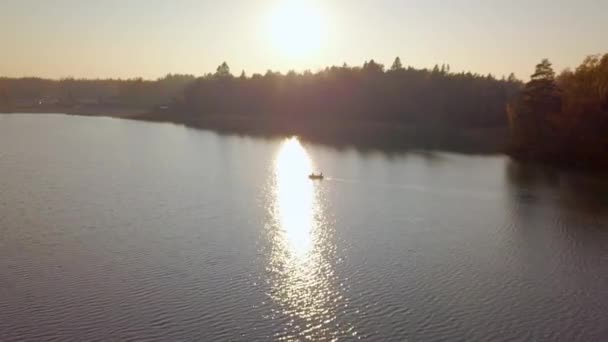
point(122, 230)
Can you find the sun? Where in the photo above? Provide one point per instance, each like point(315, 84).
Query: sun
point(297, 28)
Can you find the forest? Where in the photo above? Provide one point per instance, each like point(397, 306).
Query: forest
point(21, 94)
point(563, 119)
point(362, 105)
point(368, 93)
point(556, 118)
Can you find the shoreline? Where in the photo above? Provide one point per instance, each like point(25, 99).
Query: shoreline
point(108, 111)
point(362, 135)
point(366, 135)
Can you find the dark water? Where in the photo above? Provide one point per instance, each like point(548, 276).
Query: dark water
point(122, 230)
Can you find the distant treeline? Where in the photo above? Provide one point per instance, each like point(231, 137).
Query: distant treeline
point(16, 93)
point(563, 119)
point(365, 94)
point(368, 93)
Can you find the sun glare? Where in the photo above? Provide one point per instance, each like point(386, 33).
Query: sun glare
point(295, 196)
point(297, 28)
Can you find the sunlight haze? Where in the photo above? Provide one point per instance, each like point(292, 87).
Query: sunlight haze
point(304, 170)
point(151, 38)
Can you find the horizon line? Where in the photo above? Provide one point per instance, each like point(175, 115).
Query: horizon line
point(282, 72)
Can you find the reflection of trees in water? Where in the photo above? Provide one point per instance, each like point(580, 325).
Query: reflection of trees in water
point(555, 238)
point(569, 190)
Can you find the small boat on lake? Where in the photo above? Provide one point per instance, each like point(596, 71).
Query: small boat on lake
point(314, 176)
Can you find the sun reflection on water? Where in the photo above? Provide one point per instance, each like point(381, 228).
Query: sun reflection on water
point(302, 251)
point(295, 199)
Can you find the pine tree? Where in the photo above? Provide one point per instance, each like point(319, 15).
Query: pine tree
point(541, 94)
point(397, 65)
point(530, 116)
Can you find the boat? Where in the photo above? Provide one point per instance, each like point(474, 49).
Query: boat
point(314, 176)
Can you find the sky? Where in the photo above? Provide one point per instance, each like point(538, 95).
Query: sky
point(151, 38)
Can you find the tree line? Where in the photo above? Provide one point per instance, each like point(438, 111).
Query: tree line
point(17, 93)
point(369, 93)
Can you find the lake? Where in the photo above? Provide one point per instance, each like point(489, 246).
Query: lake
point(113, 229)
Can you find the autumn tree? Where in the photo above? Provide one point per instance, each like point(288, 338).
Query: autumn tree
point(564, 119)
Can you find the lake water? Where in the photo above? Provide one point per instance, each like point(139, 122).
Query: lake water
point(123, 230)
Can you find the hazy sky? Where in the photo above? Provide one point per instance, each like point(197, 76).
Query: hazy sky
point(150, 38)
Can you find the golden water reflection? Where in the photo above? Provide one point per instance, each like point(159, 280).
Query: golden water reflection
point(302, 251)
point(295, 200)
